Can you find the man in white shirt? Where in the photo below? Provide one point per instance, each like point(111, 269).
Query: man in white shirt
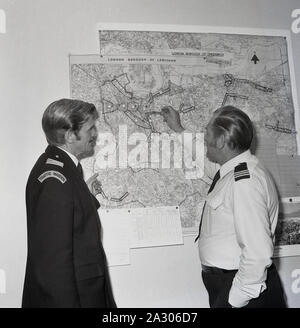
point(236, 235)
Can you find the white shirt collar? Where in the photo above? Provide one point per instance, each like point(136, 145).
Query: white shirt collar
point(232, 163)
point(73, 158)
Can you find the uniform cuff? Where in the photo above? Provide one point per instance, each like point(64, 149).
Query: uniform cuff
point(237, 298)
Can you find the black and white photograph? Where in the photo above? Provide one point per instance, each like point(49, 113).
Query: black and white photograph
point(150, 157)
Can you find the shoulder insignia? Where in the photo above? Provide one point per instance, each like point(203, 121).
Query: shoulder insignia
point(241, 172)
point(52, 174)
point(54, 162)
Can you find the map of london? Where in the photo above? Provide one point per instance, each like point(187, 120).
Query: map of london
point(137, 73)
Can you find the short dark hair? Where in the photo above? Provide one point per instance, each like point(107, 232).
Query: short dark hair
point(235, 125)
point(63, 115)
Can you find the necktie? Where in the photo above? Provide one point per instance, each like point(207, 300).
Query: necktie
point(215, 180)
point(79, 169)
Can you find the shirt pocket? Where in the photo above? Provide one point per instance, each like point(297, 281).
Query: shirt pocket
point(215, 200)
point(216, 213)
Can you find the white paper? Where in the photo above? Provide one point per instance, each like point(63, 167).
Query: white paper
point(116, 231)
point(266, 153)
point(155, 226)
point(289, 170)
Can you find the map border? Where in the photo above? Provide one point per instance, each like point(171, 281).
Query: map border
point(220, 30)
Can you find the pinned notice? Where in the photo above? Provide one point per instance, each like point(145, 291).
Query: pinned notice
point(155, 226)
point(116, 232)
point(126, 228)
point(289, 169)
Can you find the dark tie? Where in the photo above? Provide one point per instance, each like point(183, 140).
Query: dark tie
point(79, 169)
point(215, 180)
point(212, 186)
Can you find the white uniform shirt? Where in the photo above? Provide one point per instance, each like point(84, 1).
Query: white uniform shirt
point(238, 226)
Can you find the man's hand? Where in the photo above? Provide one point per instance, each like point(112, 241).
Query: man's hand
point(94, 185)
point(172, 118)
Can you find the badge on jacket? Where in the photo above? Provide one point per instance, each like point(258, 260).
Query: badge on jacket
point(52, 174)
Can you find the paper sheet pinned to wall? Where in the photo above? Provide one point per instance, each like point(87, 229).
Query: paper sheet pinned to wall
point(289, 169)
point(155, 226)
point(138, 227)
point(266, 152)
point(285, 169)
point(116, 231)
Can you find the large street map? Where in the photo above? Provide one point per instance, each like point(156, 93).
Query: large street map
point(139, 72)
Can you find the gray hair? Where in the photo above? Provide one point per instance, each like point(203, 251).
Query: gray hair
point(235, 125)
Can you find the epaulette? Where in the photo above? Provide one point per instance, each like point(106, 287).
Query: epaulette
point(54, 162)
point(241, 172)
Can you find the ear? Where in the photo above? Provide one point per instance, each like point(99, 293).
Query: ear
point(221, 141)
point(70, 137)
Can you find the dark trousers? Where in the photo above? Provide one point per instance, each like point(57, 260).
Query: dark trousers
point(218, 285)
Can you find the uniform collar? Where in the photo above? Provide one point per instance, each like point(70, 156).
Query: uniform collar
point(58, 153)
point(232, 163)
point(73, 158)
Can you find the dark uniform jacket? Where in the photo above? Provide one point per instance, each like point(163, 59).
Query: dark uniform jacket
point(66, 264)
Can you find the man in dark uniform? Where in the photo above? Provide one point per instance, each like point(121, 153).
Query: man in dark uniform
point(66, 264)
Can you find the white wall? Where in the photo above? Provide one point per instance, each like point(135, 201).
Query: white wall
point(34, 71)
